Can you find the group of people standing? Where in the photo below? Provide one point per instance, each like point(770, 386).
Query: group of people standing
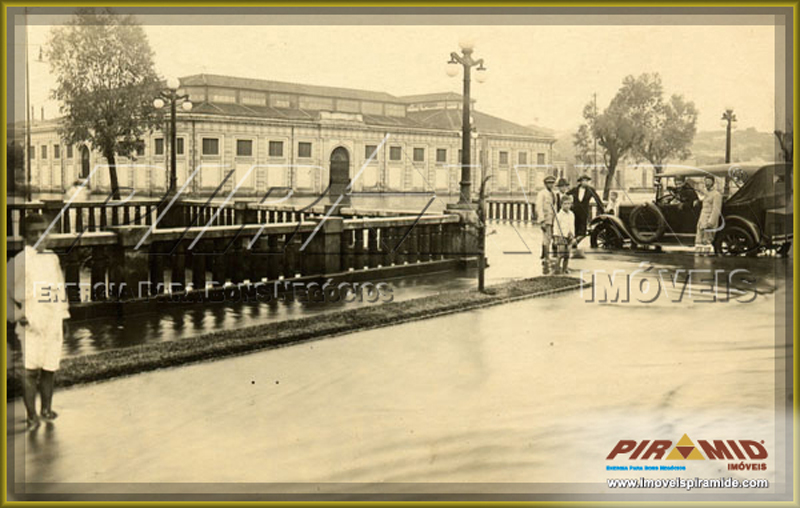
point(563, 215)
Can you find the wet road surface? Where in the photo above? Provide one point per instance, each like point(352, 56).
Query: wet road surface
point(538, 391)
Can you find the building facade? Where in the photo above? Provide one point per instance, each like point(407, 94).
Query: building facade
point(253, 135)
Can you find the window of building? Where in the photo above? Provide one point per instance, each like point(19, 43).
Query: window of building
point(56, 151)
point(395, 153)
point(221, 95)
point(253, 98)
point(244, 147)
point(369, 150)
point(316, 103)
point(540, 159)
point(347, 106)
point(31, 153)
point(139, 148)
point(69, 151)
point(419, 155)
point(372, 108)
point(504, 158)
point(395, 110)
point(196, 94)
point(304, 149)
point(44, 151)
point(277, 100)
point(159, 146)
point(210, 146)
point(179, 146)
point(523, 157)
point(276, 148)
point(441, 155)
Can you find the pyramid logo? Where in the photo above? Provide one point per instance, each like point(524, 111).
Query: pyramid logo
point(685, 450)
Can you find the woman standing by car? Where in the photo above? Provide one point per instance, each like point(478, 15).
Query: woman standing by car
point(709, 217)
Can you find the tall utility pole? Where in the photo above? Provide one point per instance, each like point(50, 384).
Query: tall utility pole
point(728, 120)
point(28, 148)
point(594, 138)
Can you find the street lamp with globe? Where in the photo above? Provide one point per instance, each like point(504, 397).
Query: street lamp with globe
point(467, 46)
point(728, 121)
point(170, 96)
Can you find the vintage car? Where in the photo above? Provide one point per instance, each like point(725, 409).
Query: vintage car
point(756, 216)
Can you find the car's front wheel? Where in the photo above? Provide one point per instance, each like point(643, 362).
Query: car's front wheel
point(735, 241)
point(605, 236)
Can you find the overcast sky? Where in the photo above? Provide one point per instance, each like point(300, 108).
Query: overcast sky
point(537, 74)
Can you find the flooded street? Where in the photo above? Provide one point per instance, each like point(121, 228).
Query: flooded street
point(536, 392)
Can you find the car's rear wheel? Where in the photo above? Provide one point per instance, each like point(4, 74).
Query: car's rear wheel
point(605, 236)
point(647, 223)
point(735, 241)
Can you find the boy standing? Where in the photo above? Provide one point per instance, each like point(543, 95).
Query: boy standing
point(38, 306)
point(564, 234)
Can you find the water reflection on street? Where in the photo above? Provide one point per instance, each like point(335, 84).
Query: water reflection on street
point(510, 250)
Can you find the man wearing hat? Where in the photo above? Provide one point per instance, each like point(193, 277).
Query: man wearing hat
point(562, 187)
point(582, 196)
point(545, 213)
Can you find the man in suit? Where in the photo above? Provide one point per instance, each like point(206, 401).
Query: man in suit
point(582, 196)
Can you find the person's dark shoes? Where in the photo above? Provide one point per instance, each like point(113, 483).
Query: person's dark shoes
point(49, 414)
point(32, 424)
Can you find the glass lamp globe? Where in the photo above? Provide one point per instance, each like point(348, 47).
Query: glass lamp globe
point(187, 106)
point(452, 70)
point(173, 83)
point(467, 42)
point(158, 103)
point(480, 76)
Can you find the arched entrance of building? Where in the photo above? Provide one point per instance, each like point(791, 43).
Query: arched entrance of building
point(85, 169)
point(340, 176)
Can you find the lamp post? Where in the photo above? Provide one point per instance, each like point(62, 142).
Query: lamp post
point(728, 121)
point(170, 95)
point(467, 62)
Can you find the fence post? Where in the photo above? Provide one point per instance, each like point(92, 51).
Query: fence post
point(328, 246)
point(131, 266)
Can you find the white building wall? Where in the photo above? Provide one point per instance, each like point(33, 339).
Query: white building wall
point(149, 174)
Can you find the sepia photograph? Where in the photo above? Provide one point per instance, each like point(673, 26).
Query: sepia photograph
point(376, 253)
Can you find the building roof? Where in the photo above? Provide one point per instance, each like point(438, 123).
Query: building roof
point(264, 85)
point(438, 119)
point(450, 119)
point(432, 97)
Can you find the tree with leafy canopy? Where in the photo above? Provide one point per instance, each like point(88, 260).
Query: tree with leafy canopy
point(621, 127)
point(106, 82)
point(668, 132)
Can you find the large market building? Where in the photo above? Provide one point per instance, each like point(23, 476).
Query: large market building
point(276, 134)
